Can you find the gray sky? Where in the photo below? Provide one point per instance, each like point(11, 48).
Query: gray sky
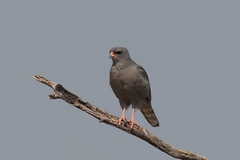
point(190, 50)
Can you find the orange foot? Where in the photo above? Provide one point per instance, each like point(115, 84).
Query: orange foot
point(120, 120)
point(133, 123)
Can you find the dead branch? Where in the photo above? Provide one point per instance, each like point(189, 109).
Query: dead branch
point(61, 93)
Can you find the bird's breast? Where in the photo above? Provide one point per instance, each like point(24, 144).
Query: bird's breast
point(126, 79)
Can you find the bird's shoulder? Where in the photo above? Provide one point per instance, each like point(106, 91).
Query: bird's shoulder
point(142, 72)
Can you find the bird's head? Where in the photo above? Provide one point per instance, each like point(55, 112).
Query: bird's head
point(119, 54)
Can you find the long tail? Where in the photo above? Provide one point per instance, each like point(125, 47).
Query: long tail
point(150, 116)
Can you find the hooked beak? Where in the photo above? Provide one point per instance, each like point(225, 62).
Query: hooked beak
point(112, 55)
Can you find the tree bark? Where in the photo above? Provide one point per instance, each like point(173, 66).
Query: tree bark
point(61, 93)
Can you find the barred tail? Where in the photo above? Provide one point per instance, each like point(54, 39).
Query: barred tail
point(150, 115)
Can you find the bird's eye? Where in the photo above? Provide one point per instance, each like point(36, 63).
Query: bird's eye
point(118, 52)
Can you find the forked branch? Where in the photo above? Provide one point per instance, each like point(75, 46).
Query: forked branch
point(61, 93)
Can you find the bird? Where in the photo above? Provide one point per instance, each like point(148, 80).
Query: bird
point(130, 83)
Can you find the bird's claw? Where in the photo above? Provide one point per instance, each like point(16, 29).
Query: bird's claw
point(133, 123)
point(120, 120)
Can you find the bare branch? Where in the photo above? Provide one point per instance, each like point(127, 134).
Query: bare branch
point(61, 93)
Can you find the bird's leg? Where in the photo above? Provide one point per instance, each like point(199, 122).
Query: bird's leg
point(132, 121)
point(122, 118)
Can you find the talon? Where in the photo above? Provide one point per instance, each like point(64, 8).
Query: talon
point(120, 120)
point(133, 123)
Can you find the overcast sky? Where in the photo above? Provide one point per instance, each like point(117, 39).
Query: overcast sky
point(190, 50)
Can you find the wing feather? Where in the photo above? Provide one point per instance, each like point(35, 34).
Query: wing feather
point(143, 73)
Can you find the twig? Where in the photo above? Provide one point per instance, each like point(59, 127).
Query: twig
point(61, 93)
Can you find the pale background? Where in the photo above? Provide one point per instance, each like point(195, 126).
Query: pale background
point(190, 50)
